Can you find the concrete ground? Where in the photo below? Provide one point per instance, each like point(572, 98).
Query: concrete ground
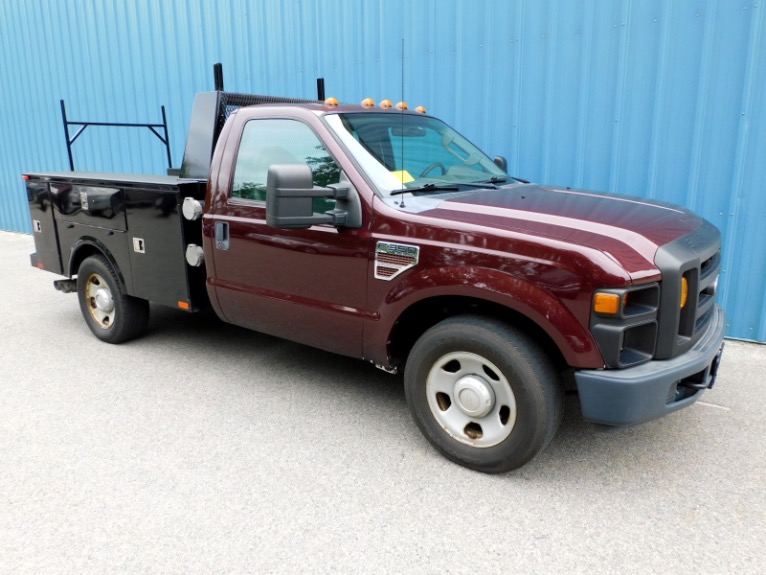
point(204, 448)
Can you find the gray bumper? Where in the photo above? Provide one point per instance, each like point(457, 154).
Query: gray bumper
point(637, 394)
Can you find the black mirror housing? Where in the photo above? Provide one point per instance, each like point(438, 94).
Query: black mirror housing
point(290, 194)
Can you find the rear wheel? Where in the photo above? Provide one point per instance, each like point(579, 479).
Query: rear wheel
point(112, 315)
point(484, 394)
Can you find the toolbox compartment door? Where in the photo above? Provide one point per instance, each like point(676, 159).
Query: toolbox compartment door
point(47, 254)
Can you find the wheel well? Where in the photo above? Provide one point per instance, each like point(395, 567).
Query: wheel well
point(416, 320)
point(87, 250)
point(80, 255)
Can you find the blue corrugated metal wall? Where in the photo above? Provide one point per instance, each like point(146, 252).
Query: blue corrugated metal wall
point(649, 98)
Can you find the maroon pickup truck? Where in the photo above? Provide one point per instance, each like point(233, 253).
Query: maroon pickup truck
point(383, 234)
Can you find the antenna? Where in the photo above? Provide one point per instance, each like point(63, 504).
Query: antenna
point(401, 111)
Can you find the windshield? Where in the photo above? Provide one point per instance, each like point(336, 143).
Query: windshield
point(411, 151)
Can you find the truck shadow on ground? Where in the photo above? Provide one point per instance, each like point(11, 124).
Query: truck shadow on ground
point(358, 385)
point(205, 335)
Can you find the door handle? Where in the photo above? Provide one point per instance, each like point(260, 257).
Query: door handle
point(222, 235)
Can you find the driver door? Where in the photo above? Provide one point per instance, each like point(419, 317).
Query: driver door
point(306, 285)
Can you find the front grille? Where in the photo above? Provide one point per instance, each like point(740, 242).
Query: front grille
point(697, 258)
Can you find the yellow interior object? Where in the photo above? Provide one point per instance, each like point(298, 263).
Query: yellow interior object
point(403, 176)
point(606, 303)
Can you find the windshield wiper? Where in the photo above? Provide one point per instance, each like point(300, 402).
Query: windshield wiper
point(451, 186)
point(489, 184)
point(503, 179)
point(427, 188)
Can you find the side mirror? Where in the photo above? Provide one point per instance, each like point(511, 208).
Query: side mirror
point(501, 163)
point(290, 194)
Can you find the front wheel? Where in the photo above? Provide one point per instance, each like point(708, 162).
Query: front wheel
point(484, 394)
point(112, 315)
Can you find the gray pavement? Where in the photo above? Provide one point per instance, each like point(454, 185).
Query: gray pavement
point(204, 448)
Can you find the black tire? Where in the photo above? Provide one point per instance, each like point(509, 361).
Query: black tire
point(112, 315)
point(453, 371)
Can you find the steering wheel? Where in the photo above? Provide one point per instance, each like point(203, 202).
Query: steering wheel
point(431, 167)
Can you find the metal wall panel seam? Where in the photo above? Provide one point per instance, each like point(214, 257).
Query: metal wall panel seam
point(459, 106)
point(488, 84)
point(518, 86)
point(551, 36)
point(584, 99)
point(742, 139)
point(701, 110)
point(659, 92)
point(619, 105)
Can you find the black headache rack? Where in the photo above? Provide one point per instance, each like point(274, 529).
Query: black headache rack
point(211, 110)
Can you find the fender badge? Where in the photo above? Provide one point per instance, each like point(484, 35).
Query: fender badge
point(394, 259)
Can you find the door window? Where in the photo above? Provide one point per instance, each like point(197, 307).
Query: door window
point(279, 141)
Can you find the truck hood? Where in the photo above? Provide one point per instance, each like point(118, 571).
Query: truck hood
point(629, 230)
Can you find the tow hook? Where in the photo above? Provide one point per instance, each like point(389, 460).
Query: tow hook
point(708, 379)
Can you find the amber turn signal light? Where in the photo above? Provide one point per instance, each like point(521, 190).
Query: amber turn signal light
point(684, 292)
point(606, 303)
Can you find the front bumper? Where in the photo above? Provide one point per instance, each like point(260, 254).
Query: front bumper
point(637, 394)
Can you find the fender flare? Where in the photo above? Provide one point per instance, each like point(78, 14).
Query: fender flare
point(491, 285)
point(86, 243)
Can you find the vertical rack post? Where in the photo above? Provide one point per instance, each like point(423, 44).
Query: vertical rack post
point(66, 133)
point(218, 76)
point(166, 141)
point(320, 89)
